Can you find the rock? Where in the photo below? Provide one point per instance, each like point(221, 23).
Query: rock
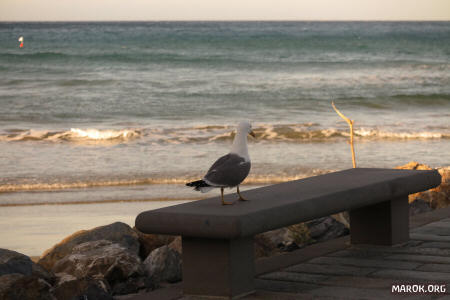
point(264, 247)
point(21, 278)
point(300, 235)
point(102, 259)
point(284, 239)
point(414, 165)
point(149, 242)
point(438, 197)
point(176, 245)
point(433, 198)
point(40, 272)
point(278, 237)
point(14, 262)
point(342, 217)
point(418, 206)
point(132, 285)
point(17, 286)
point(445, 181)
point(117, 232)
point(326, 228)
point(297, 236)
point(164, 264)
point(291, 246)
point(69, 287)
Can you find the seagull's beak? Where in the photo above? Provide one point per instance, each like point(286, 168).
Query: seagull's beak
point(252, 134)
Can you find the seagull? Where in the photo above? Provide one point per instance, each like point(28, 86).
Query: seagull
point(231, 169)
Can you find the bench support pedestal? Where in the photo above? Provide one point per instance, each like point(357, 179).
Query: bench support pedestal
point(216, 267)
point(385, 223)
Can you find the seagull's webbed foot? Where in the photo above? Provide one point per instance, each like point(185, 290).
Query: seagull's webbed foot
point(240, 196)
point(223, 201)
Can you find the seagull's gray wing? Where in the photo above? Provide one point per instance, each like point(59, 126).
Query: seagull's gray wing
point(229, 170)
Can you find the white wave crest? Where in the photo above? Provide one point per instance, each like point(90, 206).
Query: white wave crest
point(73, 135)
point(96, 134)
point(380, 134)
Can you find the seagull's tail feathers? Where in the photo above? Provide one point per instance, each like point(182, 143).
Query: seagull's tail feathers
point(200, 185)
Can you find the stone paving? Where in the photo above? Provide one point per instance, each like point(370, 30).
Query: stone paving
point(368, 272)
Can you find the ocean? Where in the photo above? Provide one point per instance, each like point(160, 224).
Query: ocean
point(99, 121)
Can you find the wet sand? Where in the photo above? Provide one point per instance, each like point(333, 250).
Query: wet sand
point(33, 229)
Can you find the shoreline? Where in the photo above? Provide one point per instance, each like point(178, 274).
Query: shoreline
point(102, 201)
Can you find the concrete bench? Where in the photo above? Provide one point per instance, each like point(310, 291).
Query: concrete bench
point(218, 240)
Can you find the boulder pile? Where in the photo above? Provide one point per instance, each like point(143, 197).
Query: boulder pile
point(93, 264)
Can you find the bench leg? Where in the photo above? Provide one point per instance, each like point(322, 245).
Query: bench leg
point(215, 267)
point(385, 223)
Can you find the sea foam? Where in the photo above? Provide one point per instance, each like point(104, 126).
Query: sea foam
point(73, 135)
point(290, 133)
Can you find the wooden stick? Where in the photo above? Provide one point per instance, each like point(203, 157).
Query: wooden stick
point(350, 123)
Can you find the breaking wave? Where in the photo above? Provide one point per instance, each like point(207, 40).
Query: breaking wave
point(306, 132)
point(72, 135)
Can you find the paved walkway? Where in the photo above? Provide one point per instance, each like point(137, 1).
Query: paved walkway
point(337, 270)
point(368, 272)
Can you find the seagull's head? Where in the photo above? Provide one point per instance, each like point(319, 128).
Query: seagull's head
point(245, 128)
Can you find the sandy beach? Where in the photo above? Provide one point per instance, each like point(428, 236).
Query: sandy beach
point(33, 229)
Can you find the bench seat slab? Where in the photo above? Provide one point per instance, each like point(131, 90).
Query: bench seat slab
point(287, 203)
point(218, 267)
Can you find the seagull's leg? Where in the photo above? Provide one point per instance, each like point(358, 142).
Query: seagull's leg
point(224, 202)
point(240, 196)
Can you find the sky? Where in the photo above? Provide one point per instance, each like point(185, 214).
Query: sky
point(157, 10)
